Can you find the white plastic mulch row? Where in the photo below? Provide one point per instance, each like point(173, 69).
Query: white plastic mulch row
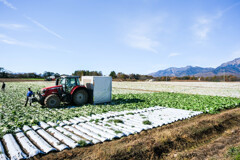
point(14, 150)
point(51, 140)
point(63, 138)
point(47, 137)
point(27, 145)
point(2, 153)
point(38, 140)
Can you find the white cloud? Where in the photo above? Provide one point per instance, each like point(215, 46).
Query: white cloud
point(12, 26)
point(203, 32)
point(6, 3)
point(220, 13)
point(204, 25)
point(142, 42)
point(11, 41)
point(44, 27)
point(173, 54)
point(202, 28)
point(144, 33)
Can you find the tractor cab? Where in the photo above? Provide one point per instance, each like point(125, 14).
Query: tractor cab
point(68, 83)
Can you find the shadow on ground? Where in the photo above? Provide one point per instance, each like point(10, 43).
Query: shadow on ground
point(113, 102)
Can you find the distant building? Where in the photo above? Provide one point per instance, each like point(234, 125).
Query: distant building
point(50, 78)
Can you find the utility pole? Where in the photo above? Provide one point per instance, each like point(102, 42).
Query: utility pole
point(224, 75)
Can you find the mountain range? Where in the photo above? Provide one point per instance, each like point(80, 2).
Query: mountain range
point(228, 68)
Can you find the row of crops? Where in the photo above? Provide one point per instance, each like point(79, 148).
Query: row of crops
point(80, 131)
point(13, 114)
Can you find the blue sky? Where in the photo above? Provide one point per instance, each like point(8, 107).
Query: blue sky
point(130, 36)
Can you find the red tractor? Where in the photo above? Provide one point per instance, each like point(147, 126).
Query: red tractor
point(67, 89)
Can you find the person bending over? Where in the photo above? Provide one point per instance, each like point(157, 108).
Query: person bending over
point(29, 97)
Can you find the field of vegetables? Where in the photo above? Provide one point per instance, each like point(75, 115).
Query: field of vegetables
point(13, 114)
point(226, 89)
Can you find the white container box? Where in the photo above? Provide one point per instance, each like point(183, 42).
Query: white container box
point(99, 88)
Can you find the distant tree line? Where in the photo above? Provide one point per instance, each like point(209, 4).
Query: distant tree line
point(138, 77)
point(6, 74)
point(47, 74)
point(131, 77)
point(118, 76)
point(3, 73)
point(81, 73)
point(227, 78)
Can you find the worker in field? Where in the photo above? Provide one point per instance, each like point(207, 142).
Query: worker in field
point(3, 86)
point(29, 97)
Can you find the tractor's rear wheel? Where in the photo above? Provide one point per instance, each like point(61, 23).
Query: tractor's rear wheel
point(52, 101)
point(80, 97)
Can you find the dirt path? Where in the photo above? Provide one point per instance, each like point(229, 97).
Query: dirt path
point(201, 137)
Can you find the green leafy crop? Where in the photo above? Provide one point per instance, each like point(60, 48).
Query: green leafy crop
point(147, 122)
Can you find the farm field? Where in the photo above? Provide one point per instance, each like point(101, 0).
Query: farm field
point(227, 89)
point(14, 114)
point(126, 96)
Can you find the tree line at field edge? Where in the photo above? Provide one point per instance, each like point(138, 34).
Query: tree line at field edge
point(118, 76)
point(137, 77)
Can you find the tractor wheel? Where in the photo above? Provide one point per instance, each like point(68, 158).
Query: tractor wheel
point(52, 101)
point(80, 97)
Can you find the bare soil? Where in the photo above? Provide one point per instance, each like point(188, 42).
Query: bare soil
point(201, 137)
